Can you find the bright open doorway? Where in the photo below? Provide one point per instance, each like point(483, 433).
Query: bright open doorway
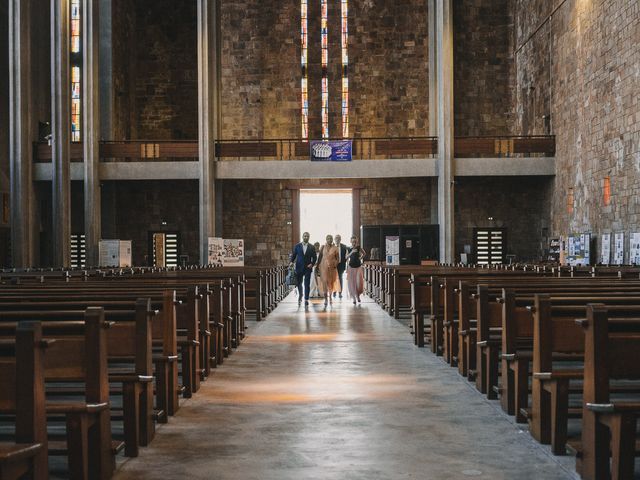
point(326, 211)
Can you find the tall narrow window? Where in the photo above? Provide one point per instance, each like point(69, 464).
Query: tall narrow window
point(76, 62)
point(345, 68)
point(325, 68)
point(304, 61)
point(570, 200)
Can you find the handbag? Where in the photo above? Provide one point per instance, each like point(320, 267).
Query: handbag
point(292, 277)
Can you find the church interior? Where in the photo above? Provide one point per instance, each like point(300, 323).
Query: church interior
point(319, 239)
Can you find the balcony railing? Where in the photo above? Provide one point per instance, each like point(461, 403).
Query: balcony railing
point(295, 149)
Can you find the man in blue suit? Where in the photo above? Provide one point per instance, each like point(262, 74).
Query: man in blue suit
point(304, 257)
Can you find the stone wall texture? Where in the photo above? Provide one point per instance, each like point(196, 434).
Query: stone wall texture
point(519, 204)
point(132, 209)
point(582, 67)
point(155, 69)
point(260, 211)
point(483, 73)
point(389, 68)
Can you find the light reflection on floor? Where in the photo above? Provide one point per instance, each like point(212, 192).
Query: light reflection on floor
point(314, 388)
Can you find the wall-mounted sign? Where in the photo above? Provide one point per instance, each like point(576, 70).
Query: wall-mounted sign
point(115, 253)
point(578, 249)
point(605, 249)
point(393, 250)
point(331, 151)
point(618, 250)
point(233, 253)
point(216, 252)
point(634, 250)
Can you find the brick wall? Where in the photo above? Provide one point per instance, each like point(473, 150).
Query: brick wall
point(483, 67)
point(520, 204)
point(260, 69)
point(389, 68)
point(132, 209)
point(259, 211)
point(583, 67)
point(155, 69)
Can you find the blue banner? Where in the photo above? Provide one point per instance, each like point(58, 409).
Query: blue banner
point(331, 151)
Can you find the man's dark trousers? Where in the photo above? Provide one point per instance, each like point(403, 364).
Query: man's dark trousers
point(306, 276)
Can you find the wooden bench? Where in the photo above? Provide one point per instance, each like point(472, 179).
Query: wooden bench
point(22, 395)
point(608, 426)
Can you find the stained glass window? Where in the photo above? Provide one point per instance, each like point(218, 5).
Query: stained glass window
point(75, 71)
point(345, 68)
point(304, 85)
point(325, 64)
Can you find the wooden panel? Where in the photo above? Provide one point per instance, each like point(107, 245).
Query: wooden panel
point(66, 359)
point(406, 147)
point(42, 152)
point(474, 146)
point(535, 145)
point(249, 149)
point(7, 384)
point(121, 339)
point(120, 150)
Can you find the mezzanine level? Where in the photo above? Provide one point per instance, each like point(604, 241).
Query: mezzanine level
point(289, 159)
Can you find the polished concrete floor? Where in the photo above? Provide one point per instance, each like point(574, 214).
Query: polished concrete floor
point(339, 394)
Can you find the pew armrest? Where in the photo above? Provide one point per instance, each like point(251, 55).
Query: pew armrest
point(17, 452)
point(620, 407)
point(165, 358)
point(560, 375)
point(76, 407)
point(131, 378)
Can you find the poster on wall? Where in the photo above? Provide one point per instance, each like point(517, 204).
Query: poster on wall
point(216, 252)
point(233, 253)
point(331, 151)
point(554, 250)
point(393, 250)
point(634, 250)
point(115, 253)
point(578, 250)
point(618, 250)
point(125, 253)
point(605, 249)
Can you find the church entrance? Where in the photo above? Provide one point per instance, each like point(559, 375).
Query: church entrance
point(326, 211)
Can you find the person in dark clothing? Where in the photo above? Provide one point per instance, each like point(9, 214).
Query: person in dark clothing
point(304, 257)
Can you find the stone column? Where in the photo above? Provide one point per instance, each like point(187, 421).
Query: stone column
point(432, 6)
point(207, 118)
point(446, 174)
point(20, 134)
point(91, 128)
point(106, 70)
point(60, 133)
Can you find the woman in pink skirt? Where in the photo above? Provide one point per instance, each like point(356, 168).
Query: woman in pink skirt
point(355, 273)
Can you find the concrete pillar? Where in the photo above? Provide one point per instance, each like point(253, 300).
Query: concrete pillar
point(106, 71)
point(432, 6)
point(20, 134)
point(60, 133)
point(446, 174)
point(91, 127)
point(207, 118)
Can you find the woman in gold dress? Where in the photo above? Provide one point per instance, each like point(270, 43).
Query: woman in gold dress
point(328, 265)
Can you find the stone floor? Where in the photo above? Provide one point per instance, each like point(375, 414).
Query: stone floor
point(341, 394)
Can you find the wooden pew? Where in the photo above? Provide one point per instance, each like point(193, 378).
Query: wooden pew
point(22, 395)
point(83, 358)
point(557, 340)
point(608, 426)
